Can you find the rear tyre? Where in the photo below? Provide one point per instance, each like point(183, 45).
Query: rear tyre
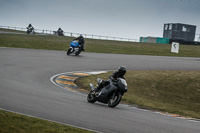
point(78, 52)
point(114, 101)
point(91, 98)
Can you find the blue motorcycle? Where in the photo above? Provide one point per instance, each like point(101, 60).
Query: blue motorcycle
point(74, 48)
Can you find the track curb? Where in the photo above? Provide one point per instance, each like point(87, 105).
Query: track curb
point(66, 80)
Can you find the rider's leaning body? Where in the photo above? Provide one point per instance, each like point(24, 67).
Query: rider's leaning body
point(117, 74)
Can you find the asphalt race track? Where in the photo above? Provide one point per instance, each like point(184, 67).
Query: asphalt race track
point(25, 87)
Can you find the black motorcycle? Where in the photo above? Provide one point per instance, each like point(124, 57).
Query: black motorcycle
point(30, 30)
point(110, 94)
point(60, 33)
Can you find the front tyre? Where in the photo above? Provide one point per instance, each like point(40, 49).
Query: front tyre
point(114, 100)
point(91, 98)
point(69, 51)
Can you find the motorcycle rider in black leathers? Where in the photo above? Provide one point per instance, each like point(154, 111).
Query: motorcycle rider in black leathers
point(81, 41)
point(60, 32)
point(30, 29)
point(117, 74)
point(30, 26)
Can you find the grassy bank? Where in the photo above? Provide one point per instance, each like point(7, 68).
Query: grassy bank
point(12, 30)
point(16, 123)
point(170, 91)
point(97, 46)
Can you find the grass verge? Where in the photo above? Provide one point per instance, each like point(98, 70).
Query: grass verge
point(98, 46)
point(12, 30)
point(169, 91)
point(16, 123)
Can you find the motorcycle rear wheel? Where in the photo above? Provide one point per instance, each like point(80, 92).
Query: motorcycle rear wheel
point(114, 101)
point(91, 98)
point(77, 53)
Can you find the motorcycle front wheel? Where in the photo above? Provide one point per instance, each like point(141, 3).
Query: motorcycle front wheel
point(114, 100)
point(91, 98)
point(69, 51)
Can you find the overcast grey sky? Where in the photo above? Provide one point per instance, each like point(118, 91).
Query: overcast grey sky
point(119, 18)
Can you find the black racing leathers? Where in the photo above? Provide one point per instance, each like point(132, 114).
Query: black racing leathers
point(81, 41)
point(112, 77)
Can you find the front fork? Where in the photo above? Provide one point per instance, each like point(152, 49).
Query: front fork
point(113, 96)
point(72, 49)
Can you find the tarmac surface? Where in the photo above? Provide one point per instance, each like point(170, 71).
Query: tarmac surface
point(26, 88)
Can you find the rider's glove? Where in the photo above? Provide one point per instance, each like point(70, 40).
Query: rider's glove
point(112, 79)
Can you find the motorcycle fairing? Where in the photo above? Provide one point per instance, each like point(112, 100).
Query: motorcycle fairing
point(106, 92)
point(74, 44)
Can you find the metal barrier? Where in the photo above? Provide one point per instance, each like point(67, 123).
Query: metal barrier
point(70, 34)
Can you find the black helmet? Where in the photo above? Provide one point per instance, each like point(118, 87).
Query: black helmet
point(122, 70)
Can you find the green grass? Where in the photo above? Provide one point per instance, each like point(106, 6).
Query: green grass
point(170, 91)
point(16, 123)
point(34, 41)
point(98, 46)
point(11, 30)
